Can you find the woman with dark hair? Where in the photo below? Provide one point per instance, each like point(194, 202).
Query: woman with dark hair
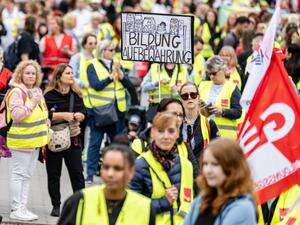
point(60, 94)
point(197, 130)
point(27, 47)
point(211, 33)
point(56, 47)
point(171, 105)
point(226, 195)
point(164, 173)
point(175, 107)
point(111, 203)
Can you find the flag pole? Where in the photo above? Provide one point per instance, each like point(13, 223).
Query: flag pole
point(159, 85)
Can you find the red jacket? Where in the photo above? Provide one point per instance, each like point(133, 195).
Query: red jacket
point(53, 55)
point(5, 75)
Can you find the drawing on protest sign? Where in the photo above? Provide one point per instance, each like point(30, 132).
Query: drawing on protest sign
point(157, 38)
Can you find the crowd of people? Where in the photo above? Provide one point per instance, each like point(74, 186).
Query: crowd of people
point(160, 135)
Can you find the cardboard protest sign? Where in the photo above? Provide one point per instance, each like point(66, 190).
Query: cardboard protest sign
point(157, 38)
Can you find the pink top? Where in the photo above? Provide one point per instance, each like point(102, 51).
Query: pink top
point(17, 106)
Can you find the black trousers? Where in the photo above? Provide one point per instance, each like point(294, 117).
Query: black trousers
point(72, 158)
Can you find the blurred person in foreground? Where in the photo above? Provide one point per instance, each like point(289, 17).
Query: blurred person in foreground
point(226, 189)
point(111, 203)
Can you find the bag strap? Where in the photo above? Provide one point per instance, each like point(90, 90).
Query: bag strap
point(72, 101)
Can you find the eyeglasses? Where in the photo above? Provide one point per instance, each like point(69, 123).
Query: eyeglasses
point(111, 49)
point(213, 73)
point(186, 96)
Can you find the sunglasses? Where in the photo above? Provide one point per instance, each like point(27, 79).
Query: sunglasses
point(186, 96)
point(213, 73)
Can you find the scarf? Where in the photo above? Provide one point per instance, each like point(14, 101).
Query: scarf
point(165, 158)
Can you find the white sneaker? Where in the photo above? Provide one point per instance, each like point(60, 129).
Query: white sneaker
point(20, 214)
point(30, 214)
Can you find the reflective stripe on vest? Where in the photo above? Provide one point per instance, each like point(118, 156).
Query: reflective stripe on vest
point(32, 131)
point(204, 130)
point(285, 202)
point(135, 210)
point(178, 78)
point(113, 91)
point(161, 181)
point(227, 127)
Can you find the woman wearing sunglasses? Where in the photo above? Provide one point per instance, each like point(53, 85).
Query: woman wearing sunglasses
point(197, 130)
point(222, 97)
point(163, 173)
point(175, 107)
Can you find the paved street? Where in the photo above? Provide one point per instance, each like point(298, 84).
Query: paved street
point(39, 200)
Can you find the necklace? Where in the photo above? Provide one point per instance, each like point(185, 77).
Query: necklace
point(111, 205)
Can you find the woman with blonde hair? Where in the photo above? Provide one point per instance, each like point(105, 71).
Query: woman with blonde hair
point(28, 115)
point(65, 105)
point(226, 195)
point(228, 55)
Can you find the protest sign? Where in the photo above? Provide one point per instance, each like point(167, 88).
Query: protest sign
point(158, 38)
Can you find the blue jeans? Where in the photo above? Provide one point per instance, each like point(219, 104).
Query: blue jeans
point(96, 136)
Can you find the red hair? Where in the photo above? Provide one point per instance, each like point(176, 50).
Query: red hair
point(238, 181)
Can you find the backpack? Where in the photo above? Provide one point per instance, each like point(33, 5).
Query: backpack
point(11, 56)
point(5, 125)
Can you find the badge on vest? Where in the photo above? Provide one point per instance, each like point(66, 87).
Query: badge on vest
point(282, 213)
point(187, 194)
point(224, 102)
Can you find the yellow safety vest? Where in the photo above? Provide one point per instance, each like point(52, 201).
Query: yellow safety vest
point(236, 78)
point(227, 127)
point(126, 64)
point(204, 130)
point(138, 145)
point(198, 69)
point(106, 31)
point(113, 91)
point(207, 50)
point(292, 218)
point(83, 64)
point(298, 85)
point(178, 77)
point(161, 181)
point(32, 131)
point(286, 200)
point(92, 209)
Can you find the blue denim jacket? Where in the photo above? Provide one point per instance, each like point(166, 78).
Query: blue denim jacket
point(240, 211)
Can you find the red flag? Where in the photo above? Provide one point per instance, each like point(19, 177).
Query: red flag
point(270, 135)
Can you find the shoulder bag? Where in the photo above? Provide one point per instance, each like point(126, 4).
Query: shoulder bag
point(61, 135)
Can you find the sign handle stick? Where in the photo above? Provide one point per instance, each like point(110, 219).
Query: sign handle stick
point(159, 86)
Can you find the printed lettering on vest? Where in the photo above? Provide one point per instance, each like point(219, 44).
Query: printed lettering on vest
point(187, 194)
point(224, 102)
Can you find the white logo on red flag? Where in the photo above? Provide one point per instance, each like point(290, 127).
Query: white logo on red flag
point(270, 134)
